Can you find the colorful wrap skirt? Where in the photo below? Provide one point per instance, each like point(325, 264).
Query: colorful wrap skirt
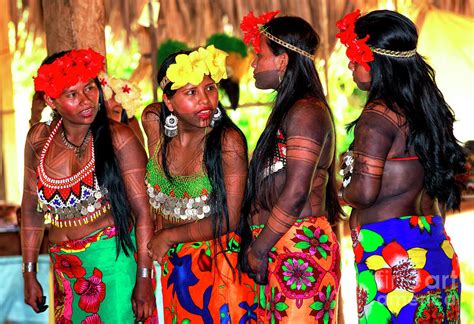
point(304, 271)
point(199, 286)
point(90, 284)
point(407, 272)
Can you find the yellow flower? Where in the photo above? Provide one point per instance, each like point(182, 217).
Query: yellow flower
point(215, 61)
point(182, 73)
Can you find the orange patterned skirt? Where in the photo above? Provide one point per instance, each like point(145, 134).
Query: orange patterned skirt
point(303, 275)
point(200, 286)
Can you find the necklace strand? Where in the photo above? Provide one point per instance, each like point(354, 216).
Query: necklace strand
point(78, 149)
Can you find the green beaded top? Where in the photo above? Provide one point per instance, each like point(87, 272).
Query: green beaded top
point(191, 186)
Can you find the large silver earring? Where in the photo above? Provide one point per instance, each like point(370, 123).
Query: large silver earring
point(216, 117)
point(171, 125)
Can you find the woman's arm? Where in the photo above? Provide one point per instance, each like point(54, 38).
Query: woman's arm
point(151, 125)
point(308, 126)
point(132, 161)
point(32, 222)
point(373, 137)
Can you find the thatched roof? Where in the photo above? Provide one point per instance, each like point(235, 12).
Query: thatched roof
point(192, 21)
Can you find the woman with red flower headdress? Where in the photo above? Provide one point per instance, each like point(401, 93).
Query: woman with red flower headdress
point(402, 164)
point(78, 176)
point(291, 197)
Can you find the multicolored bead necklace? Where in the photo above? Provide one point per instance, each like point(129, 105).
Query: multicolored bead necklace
point(71, 201)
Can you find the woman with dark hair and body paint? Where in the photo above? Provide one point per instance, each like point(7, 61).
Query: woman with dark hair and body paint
point(291, 198)
point(403, 162)
point(79, 174)
point(196, 178)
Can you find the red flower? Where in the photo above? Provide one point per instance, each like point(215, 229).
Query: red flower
point(92, 291)
point(92, 319)
point(126, 89)
point(251, 25)
point(66, 71)
point(69, 265)
point(204, 262)
point(357, 49)
point(356, 246)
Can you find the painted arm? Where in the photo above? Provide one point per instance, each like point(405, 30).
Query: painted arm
point(32, 222)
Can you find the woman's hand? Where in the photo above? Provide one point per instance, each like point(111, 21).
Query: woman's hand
point(159, 245)
point(258, 264)
point(143, 299)
point(34, 292)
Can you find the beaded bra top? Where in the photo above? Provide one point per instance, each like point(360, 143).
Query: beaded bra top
point(71, 201)
point(183, 199)
point(279, 156)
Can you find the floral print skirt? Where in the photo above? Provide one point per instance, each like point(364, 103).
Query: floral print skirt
point(91, 285)
point(304, 271)
point(200, 286)
point(407, 272)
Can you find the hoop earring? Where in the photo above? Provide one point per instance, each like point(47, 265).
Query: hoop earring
point(171, 125)
point(216, 117)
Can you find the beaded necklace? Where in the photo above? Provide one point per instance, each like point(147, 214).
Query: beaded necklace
point(183, 199)
point(71, 201)
point(279, 156)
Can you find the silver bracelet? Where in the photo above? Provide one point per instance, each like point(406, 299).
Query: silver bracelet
point(146, 273)
point(29, 267)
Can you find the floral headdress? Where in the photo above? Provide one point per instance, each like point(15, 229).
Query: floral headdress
point(357, 49)
point(252, 27)
point(192, 67)
point(66, 71)
point(127, 93)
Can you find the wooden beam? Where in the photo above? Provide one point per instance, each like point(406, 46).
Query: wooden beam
point(74, 24)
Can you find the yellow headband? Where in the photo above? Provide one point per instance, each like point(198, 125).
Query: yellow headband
point(191, 68)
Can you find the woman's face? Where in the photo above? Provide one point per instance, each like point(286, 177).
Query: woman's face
point(77, 104)
point(360, 76)
point(114, 109)
point(267, 67)
point(194, 105)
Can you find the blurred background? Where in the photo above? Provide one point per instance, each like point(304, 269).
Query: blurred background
point(137, 35)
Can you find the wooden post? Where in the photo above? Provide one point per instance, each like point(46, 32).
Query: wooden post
point(8, 147)
point(74, 24)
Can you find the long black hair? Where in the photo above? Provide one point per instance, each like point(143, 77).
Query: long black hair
point(407, 86)
point(108, 171)
point(212, 156)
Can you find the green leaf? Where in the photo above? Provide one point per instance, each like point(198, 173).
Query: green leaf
point(280, 306)
point(425, 224)
point(317, 305)
point(376, 312)
point(328, 291)
point(366, 281)
point(333, 304)
point(370, 240)
point(324, 254)
point(326, 317)
point(302, 245)
point(309, 233)
point(196, 245)
point(324, 238)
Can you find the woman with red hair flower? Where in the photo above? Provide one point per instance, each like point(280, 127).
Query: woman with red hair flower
point(402, 164)
point(79, 177)
point(291, 201)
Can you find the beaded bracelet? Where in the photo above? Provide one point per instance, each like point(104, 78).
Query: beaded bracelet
point(29, 267)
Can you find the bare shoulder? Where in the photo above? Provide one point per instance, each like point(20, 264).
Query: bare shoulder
point(308, 114)
point(39, 132)
point(233, 140)
point(381, 109)
point(151, 112)
point(120, 133)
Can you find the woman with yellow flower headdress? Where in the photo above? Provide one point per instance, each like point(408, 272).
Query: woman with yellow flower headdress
point(196, 178)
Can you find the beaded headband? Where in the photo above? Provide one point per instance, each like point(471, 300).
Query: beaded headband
point(67, 70)
point(357, 49)
point(252, 27)
point(191, 68)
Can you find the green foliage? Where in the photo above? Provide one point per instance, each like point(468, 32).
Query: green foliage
point(227, 43)
point(167, 48)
